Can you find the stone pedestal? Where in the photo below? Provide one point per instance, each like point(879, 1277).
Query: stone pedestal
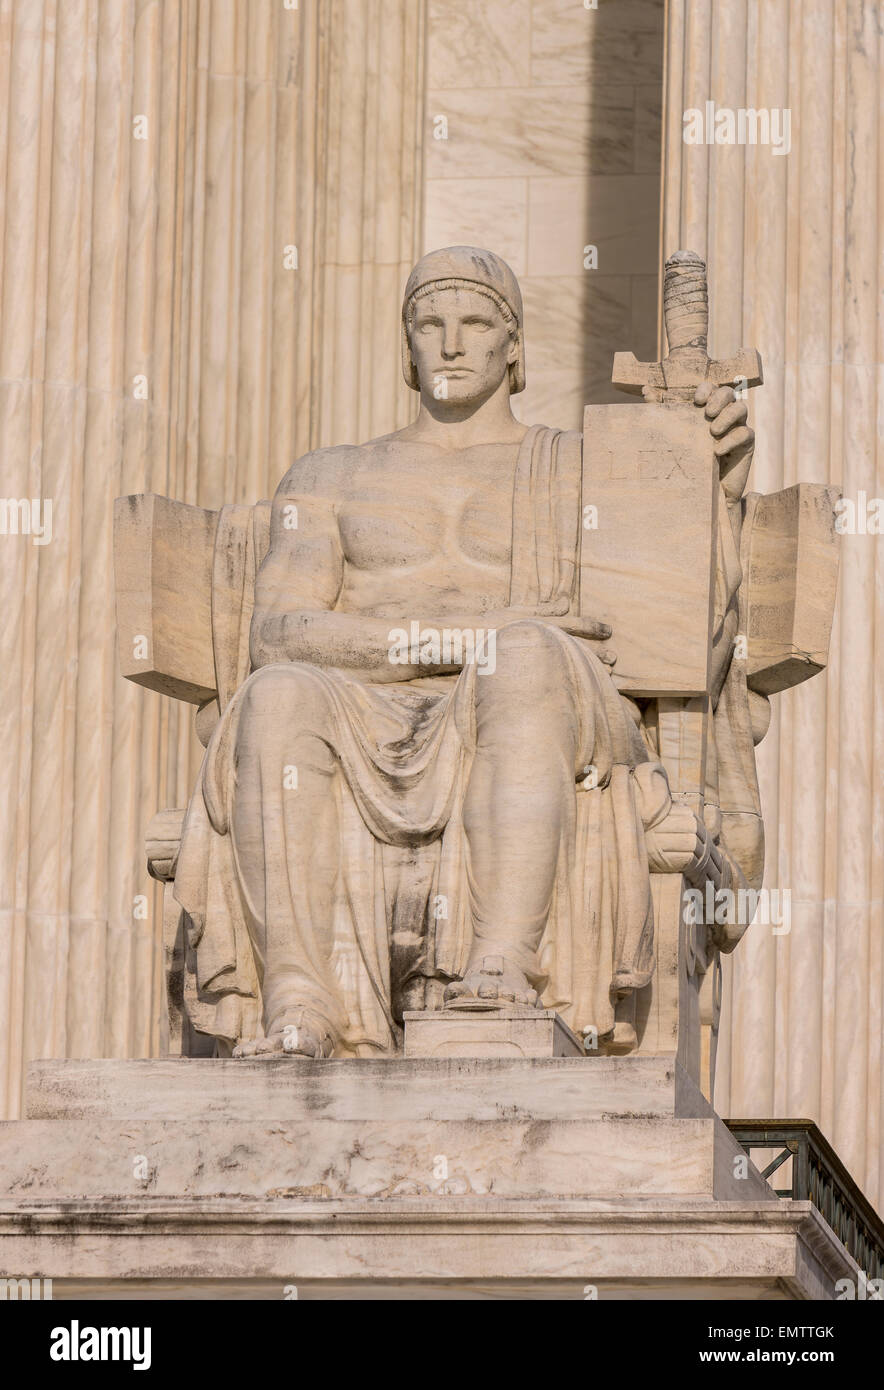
point(473, 1031)
point(410, 1178)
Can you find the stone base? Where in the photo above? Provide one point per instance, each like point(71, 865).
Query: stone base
point(394, 1179)
point(474, 1031)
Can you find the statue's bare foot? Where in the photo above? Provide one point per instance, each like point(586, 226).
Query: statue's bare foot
point(493, 979)
point(309, 1037)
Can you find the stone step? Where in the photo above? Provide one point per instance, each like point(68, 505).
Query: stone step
point(590, 1088)
point(437, 1247)
point(322, 1157)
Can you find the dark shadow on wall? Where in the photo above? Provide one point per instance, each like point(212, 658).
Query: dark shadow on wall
point(624, 72)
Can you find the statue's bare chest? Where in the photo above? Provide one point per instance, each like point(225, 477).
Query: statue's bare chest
point(454, 508)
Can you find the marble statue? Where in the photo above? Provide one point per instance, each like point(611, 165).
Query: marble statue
point(429, 791)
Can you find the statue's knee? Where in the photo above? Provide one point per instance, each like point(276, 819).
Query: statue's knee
point(528, 651)
point(288, 694)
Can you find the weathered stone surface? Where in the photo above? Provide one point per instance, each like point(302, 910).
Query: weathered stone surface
point(563, 1127)
point(397, 1088)
point(318, 1157)
point(244, 1179)
point(436, 1248)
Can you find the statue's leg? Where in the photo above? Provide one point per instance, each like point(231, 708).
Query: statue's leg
point(284, 825)
point(520, 802)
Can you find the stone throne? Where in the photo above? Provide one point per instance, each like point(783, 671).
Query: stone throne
point(654, 513)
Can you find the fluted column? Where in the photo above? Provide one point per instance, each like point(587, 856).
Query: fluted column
point(88, 254)
point(794, 250)
point(366, 215)
point(161, 161)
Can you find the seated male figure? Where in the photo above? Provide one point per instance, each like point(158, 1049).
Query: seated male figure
point(381, 806)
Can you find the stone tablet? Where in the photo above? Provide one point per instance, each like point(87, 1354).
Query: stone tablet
point(650, 498)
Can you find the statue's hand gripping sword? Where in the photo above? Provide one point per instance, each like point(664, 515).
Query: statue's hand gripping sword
point(686, 316)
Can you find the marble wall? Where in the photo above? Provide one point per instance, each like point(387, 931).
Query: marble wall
point(552, 118)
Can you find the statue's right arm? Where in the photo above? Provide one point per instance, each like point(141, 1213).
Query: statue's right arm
point(298, 585)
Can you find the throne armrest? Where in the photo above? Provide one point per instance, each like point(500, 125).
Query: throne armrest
point(184, 589)
point(162, 843)
point(790, 558)
point(163, 562)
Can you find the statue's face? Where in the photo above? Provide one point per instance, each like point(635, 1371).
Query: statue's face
point(460, 345)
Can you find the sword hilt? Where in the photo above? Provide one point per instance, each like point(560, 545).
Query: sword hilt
point(686, 304)
point(686, 319)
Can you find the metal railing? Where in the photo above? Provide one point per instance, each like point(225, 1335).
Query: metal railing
point(819, 1176)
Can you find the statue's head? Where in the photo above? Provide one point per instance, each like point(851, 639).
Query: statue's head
point(462, 322)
